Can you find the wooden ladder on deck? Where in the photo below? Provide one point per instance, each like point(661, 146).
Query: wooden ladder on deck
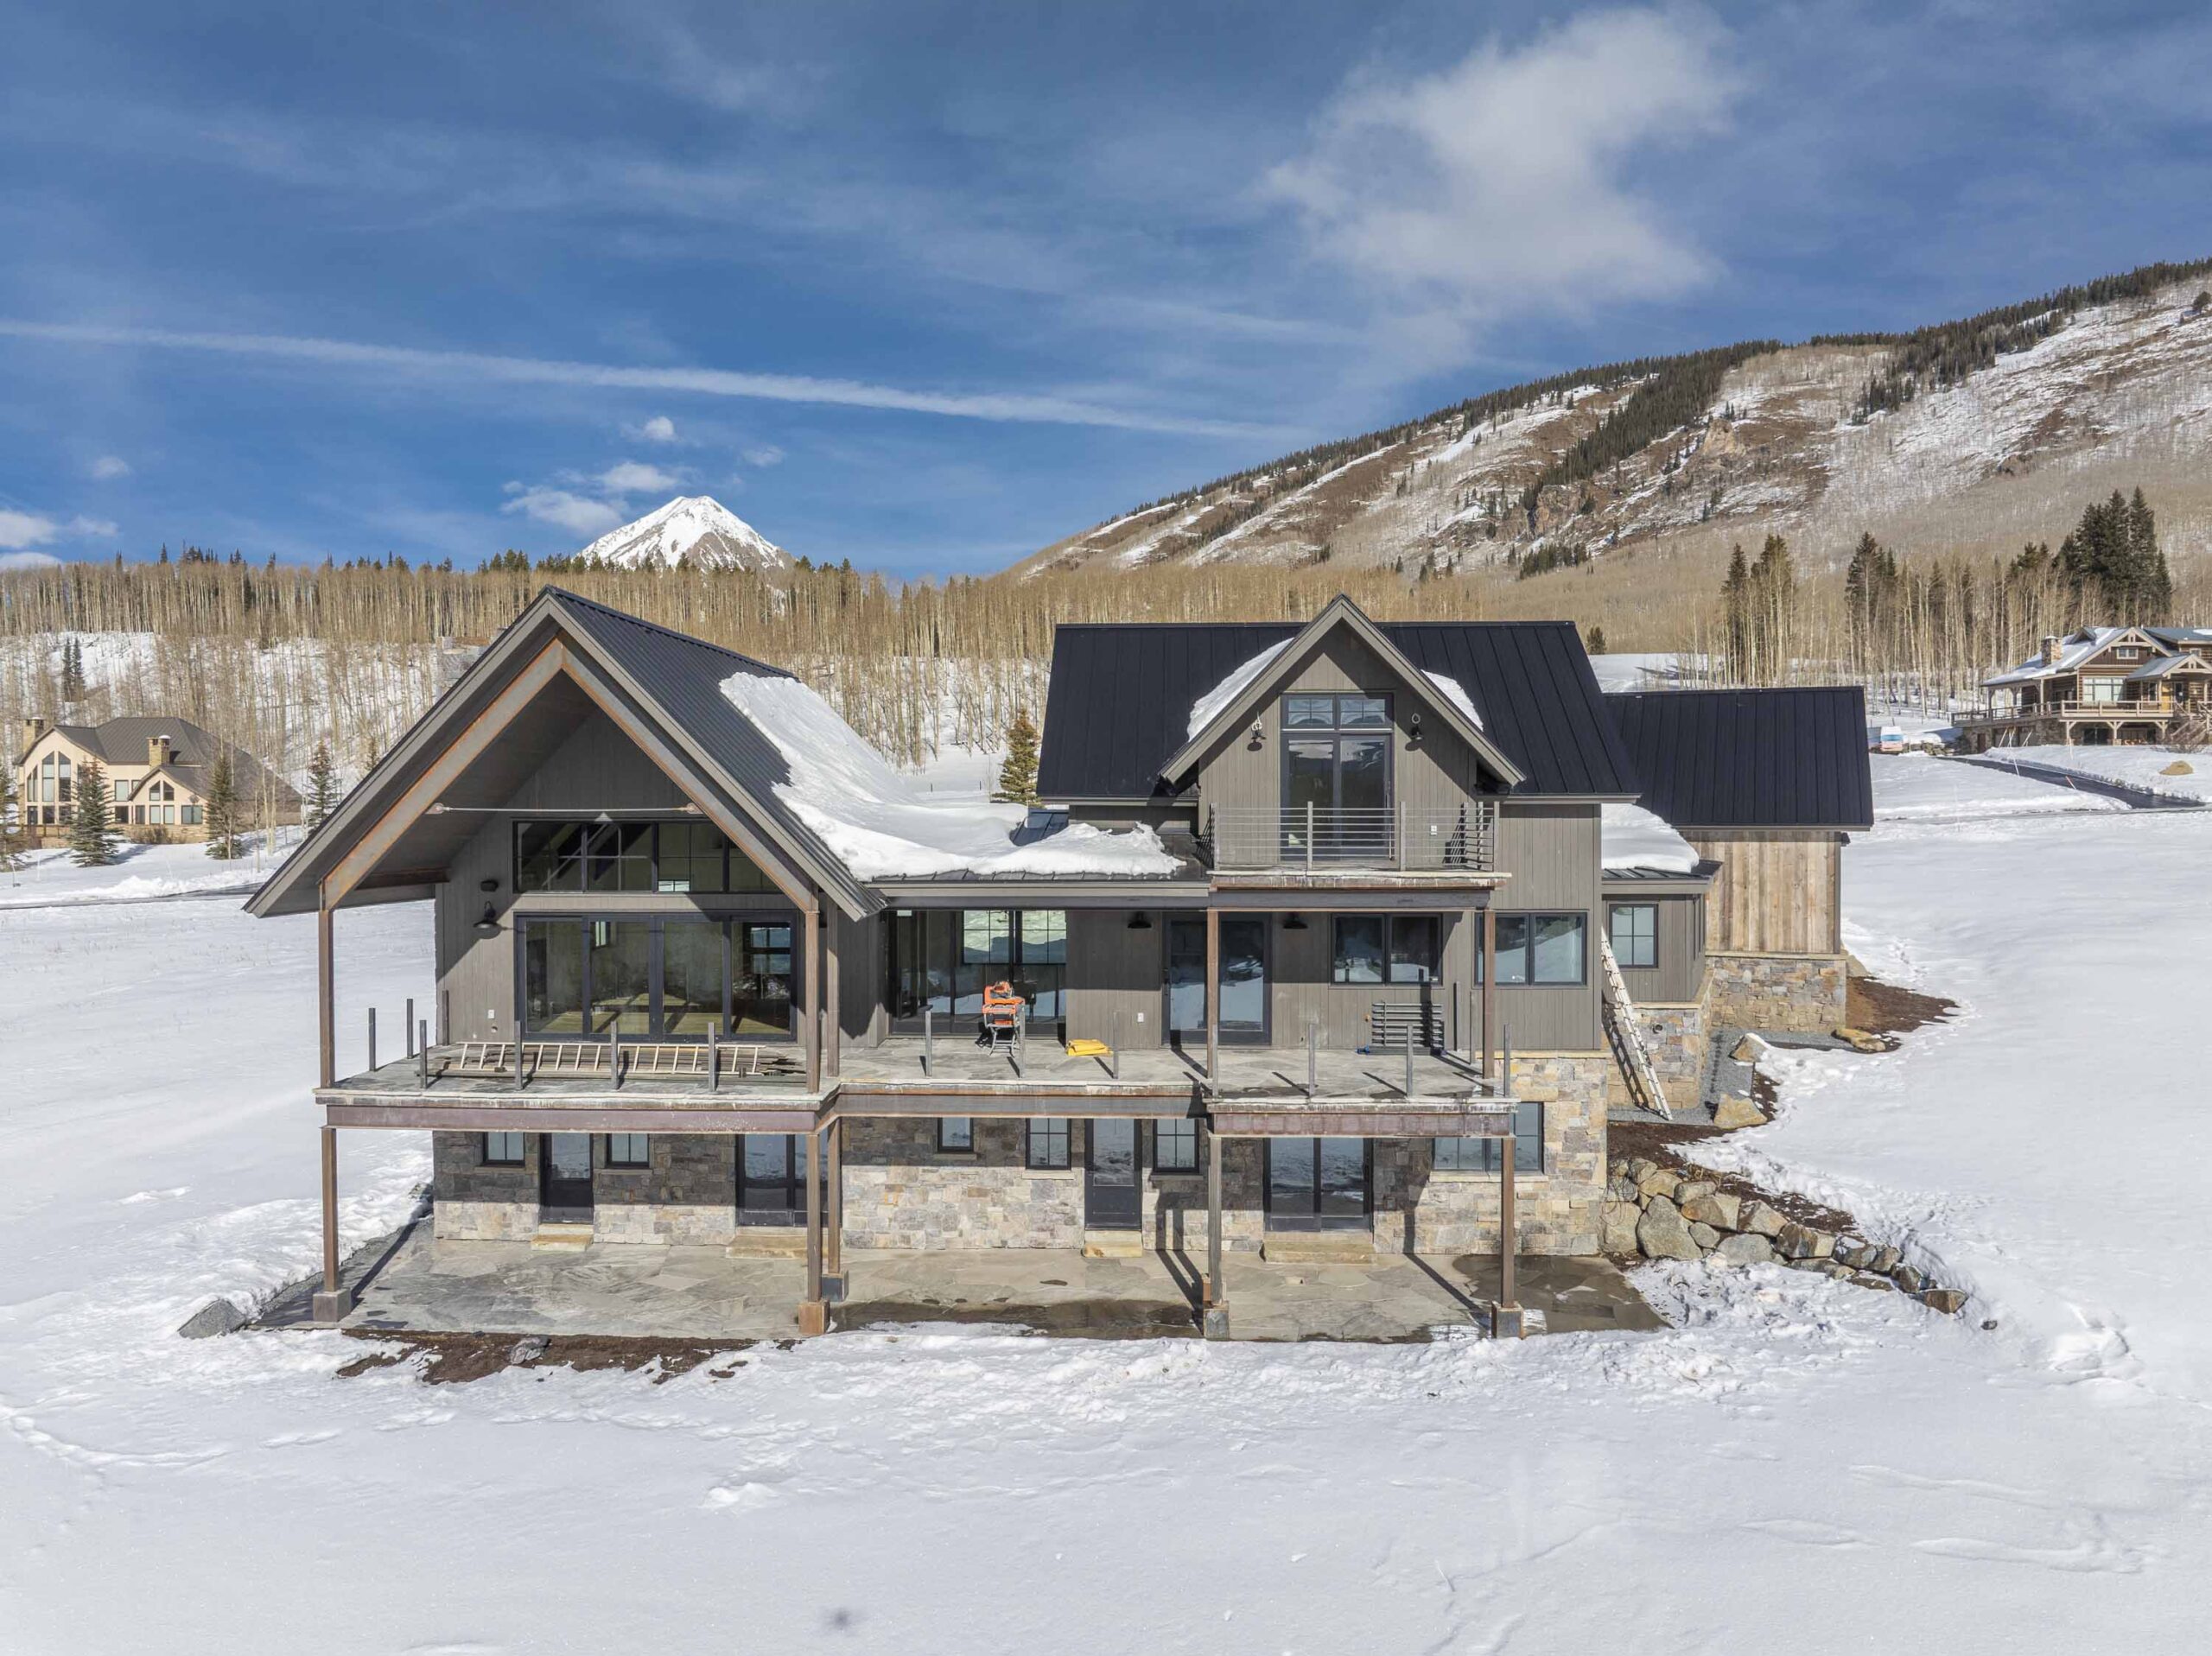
point(1621, 1011)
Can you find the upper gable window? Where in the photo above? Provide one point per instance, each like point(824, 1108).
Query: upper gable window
point(685, 857)
point(2127, 653)
point(1308, 712)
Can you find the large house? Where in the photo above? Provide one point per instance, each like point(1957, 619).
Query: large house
point(2096, 687)
point(1333, 938)
point(158, 771)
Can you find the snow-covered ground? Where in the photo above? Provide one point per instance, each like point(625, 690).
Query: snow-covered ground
point(1799, 1465)
point(2145, 768)
point(141, 872)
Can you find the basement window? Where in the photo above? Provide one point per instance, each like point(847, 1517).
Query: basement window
point(503, 1149)
point(1048, 1141)
point(1175, 1147)
point(956, 1134)
point(628, 1150)
point(1471, 1155)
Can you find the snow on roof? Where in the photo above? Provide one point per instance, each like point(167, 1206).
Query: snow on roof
point(2079, 648)
point(1631, 837)
point(874, 821)
point(1456, 693)
point(2161, 666)
point(1209, 706)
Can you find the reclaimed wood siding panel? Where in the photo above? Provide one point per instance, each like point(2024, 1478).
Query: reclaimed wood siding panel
point(1113, 970)
point(1778, 892)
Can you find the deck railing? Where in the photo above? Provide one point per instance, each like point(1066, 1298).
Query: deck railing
point(2147, 707)
point(1462, 837)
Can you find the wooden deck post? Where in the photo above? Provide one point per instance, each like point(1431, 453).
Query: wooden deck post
point(813, 1310)
point(1213, 1315)
point(834, 1242)
point(1213, 994)
point(332, 1302)
point(1489, 978)
point(811, 992)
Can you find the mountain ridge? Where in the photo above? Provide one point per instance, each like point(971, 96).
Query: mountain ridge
point(695, 531)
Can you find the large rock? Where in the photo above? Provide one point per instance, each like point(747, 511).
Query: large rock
point(1858, 1255)
point(1859, 1040)
point(1745, 1249)
point(216, 1317)
point(1736, 1111)
point(1763, 1220)
point(1619, 1221)
point(1885, 1260)
point(1705, 1237)
point(1909, 1280)
point(1691, 1190)
point(1803, 1242)
point(1658, 1185)
point(1622, 1190)
point(1750, 1050)
point(1637, 1167)
point(1716, 1208)
point(1950, 1301)
point(1661, 1233)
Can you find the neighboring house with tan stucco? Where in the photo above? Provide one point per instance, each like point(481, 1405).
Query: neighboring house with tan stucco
point(158, 771)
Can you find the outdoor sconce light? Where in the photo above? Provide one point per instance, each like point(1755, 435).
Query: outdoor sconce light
point(1294, 923)
point(1259, 731)
point(487, 886)
point(487, 924)
point(1139, 921)
point(1413, 724)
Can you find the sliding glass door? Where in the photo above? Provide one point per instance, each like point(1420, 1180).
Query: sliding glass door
point(1317, 1184)
point(942, 959)
point(1243, 986)
point(671, 978)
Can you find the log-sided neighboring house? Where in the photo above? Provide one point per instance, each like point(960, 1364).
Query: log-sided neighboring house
point(1305, 953)
point(158, 771)
point(2096, 687)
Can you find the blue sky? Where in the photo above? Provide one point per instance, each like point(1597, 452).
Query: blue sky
point(929, 286)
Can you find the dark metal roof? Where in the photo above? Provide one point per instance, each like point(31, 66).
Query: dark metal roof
point(1750, 759)
point(1121, 696)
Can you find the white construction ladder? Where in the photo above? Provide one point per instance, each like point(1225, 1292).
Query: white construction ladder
point(1629, 1032)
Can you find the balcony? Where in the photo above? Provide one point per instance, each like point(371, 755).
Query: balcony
point(2149, 706)
point(1319, 839)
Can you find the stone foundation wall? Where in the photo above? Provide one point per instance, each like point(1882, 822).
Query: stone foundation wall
point(901, 1193)
point(475, 1204)
point(688, 1195)
point(1557, 1211)
point(1792, 992)
point(1675, 1036)
point(1175, 1203)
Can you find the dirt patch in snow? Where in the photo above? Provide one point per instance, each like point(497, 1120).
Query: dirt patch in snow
point(1095, 1319)
point(1882, 1008)
point(450, 1358)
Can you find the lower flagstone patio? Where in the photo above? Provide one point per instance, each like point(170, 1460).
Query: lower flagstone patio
point(423, 1285)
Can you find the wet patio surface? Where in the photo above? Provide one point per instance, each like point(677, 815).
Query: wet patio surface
point(423, 1285)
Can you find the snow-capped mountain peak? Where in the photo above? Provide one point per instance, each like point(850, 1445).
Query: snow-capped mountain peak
point(695, 530)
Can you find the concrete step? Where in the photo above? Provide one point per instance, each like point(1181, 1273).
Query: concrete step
point(1113, 1245)
point(1319, 1247)
point(562, 1233)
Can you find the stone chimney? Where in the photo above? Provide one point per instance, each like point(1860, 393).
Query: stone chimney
point(2050, 650)
point(32, 729)
point(159, 751)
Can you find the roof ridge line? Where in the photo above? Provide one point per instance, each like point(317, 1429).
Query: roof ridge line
point(693, 639)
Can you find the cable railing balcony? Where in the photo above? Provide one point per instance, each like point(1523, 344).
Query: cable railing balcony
point(1461, 838)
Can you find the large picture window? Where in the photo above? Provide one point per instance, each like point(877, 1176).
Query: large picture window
point(1175, 1146)
point(558, 856)
point(1538, 949)
point(1384, 948)
point(1634, 930)
point(1048, 1141)
point(942, 959)
point(671, 978)
point(1336, 771)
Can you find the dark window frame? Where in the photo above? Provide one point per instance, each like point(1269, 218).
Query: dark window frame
point(642, 1164)
point(1526, 948)
point(964, 1144)
point(1481, 1155)
point(726, 924)
point(1391, 925)
point(1055, 1133)
point(1345, 841)
point(948, 981)
point(1613, 911)
point(1160, 1163)
point(660, 868)
point(521, 1155)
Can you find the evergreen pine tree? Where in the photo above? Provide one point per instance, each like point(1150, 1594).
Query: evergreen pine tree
point(1736, 593)
point(1595, 641)
point(92, 818)
point(222, 810)
point(322, 786)
point(12, 837)
point(73, 670)
point(1018, 775)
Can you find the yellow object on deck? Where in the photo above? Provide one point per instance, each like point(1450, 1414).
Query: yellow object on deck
point(1088, 1049)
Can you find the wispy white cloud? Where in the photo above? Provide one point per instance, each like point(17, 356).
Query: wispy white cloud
point(763, 454)
point(20, 530)
point(579, 514)
point(431, 365)
point(28, 561)
point(635, 477)
point(659, 430)
point(1506, 181)
point(108, 467)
